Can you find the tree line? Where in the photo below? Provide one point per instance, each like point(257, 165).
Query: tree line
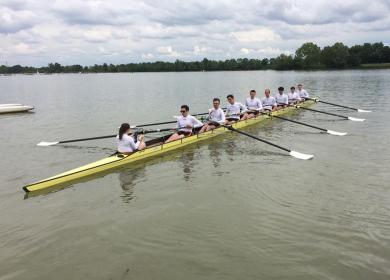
point(308, 57)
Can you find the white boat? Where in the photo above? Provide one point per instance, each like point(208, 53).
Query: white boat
point(14, 108)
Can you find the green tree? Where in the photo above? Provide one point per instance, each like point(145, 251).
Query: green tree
point(283, 62)
point(308, 56)
point(336, 56)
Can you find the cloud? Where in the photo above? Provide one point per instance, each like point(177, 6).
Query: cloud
point(12, 21)
point(256, 35)
point(121, 31)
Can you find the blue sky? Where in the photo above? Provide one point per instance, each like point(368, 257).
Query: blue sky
point(34, 32)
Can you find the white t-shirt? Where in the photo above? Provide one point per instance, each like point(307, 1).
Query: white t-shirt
point(303, 93)
point(182, 123)
point(281, 99)
point(253, 104)
point(216, 115)
point(293, 96)
point(126, 145)
point(268, 102)
point(234, 110)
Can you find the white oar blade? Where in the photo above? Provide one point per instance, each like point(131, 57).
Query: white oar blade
point(355, 119)
point(44, 144)
point(363, 111)
point(300, 155)
point(336, 133)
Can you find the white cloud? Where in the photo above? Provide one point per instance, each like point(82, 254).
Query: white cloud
point(147, 56)
point(168, 51)
point(256, 35)
point(122, 31)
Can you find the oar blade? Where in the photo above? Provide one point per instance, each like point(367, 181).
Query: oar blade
point(45, 144)
point(300, 155)
point(332, 132)
point(363, 111)
point(355, 119)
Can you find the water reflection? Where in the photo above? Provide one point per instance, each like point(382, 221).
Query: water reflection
point(215, 154)
point(188, 163)
point(128, 179)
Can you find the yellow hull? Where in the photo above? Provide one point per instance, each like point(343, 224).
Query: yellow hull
point(118, 160)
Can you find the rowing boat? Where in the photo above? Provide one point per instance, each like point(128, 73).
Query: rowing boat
point(154, 148)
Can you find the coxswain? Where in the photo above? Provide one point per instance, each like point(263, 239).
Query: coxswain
point(235, 111)
point(303, 94)
point(186, 124)
point(281, 98)
point(215, 118)
point(253, 104)
point(268, 102)
point(127, 143)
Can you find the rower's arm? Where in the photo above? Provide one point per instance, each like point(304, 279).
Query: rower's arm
point(260, 105)
point(196, 123)
point(223, 118)
point(243, 108)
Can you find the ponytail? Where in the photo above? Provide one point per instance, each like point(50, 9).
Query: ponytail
point(122, 130)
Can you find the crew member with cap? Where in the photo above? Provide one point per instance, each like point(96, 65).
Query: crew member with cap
point(234, 110)
point(303, 94)
point(281, 98)
point(293, 96)
point(253, 104)
point(268, 102)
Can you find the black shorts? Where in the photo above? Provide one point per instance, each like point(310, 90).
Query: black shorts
point(232, 119)
point(254, 112)
point(213, 123)
point(185, 133)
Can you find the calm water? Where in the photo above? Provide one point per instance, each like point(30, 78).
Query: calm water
point(229, 208)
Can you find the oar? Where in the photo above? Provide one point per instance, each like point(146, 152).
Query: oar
point(342, 106)
point(95, 138)
point(44, 143)
point(291, 153)
point(169, 122)
point(331, 114)
point(308, 125)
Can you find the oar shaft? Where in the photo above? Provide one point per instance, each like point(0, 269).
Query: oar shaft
point(110, 136)
point(169, 122)
point(257, 138)
point(323, 112)
point(87, 139)
point(338, 105)
point(305, 124)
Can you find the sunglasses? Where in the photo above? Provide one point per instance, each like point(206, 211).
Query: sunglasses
point(182, 111)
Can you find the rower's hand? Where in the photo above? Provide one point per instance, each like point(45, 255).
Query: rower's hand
point(189, 125)
point(141, 137)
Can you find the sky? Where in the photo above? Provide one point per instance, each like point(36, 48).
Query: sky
point(87, 32)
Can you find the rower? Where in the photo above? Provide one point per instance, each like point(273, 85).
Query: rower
point(281, 98)
point(128, 144)
point(293, 96)
point(215, 118)
point(185, 124)
point(234, 110)
point(303, 94)
point(253, 104)
point(268, 102)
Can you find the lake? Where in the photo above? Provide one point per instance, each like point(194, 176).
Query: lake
point(228, 208)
